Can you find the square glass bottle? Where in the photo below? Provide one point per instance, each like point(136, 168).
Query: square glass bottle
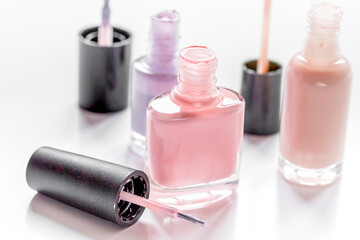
point(194, 134)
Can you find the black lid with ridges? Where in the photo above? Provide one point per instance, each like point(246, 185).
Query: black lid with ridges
point(88, 184)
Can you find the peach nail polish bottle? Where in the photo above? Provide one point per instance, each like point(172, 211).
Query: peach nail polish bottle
point(316, 99)
point(194, 134)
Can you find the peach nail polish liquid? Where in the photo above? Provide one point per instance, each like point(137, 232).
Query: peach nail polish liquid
point(316, 99)
point(194, 134)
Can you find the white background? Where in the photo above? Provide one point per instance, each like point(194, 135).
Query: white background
point(38, 102)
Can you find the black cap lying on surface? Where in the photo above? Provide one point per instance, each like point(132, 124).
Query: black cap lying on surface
point(88, 184)
point(262, 93)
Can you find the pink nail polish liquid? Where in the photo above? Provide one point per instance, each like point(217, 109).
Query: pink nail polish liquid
point(194, 134)
point(316, 99)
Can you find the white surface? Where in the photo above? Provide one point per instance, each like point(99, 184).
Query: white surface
point(38, 97)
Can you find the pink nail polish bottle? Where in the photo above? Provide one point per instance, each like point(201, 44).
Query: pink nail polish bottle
point(316, 99)
point(194, 134)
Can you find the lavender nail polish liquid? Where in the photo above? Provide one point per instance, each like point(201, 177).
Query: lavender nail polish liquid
point(154, 73)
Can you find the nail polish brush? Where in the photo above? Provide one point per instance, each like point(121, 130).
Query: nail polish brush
point(110, 191)
point(263, 62)
point(158, 207)
point(105, 31)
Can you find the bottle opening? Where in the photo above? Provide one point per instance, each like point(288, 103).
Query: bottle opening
point(197, 65)
point(164, 35)
point(325, 17)
point(167, 16)
point(197, 54)
point(326, 8)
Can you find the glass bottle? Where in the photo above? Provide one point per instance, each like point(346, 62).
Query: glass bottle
point(316, 100)
point(154, 73)
point(194, 135)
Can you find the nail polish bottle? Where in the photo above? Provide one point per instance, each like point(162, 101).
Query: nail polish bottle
point(316, 99)
point(154, 73)
point(194, 134)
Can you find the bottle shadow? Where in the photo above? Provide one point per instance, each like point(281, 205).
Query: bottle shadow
point(255, 146)
point(87, 118)
point(258, 154)
point(92, 118)
point(312, 209)
point(104, 133)
point(257, 139)
point(82, 222)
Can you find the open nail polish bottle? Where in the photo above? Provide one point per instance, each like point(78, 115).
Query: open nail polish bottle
point(154, 73)
point(316, 102)
point(194, 135)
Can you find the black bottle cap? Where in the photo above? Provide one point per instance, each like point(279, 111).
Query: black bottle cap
point(104, 71)
point(88, 184)
point(262, 93)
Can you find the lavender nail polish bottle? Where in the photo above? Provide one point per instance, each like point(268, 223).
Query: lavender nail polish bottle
point(154, 73)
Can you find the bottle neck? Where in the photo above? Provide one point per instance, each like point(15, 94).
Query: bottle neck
point(163, 38)
point(322, 44)
point(196, 80)
point(319, 48)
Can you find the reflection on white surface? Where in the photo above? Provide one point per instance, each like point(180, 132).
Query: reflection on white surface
point(312, 209)
point(133, 160)
point(219, 217)
point(291, 211)
point(150, 226)
point(88, 118)
point(90, 226)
